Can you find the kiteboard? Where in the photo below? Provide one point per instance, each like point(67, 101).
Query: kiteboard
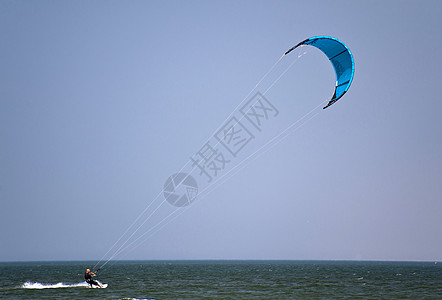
point(104, 285)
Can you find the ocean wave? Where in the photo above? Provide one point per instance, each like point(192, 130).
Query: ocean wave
point(39, 286)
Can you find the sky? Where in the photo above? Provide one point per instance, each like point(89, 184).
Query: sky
point(102, 101)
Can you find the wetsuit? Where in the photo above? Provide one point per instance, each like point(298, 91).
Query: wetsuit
point(88, 277)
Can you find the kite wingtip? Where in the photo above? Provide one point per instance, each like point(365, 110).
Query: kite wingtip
point(330, 103)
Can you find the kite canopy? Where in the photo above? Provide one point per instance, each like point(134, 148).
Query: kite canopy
point(341, 58)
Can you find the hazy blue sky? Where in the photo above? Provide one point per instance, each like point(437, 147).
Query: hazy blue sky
point(101, 101)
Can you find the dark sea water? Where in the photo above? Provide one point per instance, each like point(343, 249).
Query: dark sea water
point(225, 280)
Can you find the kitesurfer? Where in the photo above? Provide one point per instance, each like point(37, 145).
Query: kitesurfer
point(88, 276)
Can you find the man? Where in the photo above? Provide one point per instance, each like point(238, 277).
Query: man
point(88, 276)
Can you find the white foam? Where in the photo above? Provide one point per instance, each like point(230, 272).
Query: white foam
point(39, 286)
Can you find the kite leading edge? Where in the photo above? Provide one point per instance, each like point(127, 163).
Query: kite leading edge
point(341, 58)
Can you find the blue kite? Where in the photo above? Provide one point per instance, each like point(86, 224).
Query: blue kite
point(341, 58)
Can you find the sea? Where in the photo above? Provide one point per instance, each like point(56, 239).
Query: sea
point(224, 280)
